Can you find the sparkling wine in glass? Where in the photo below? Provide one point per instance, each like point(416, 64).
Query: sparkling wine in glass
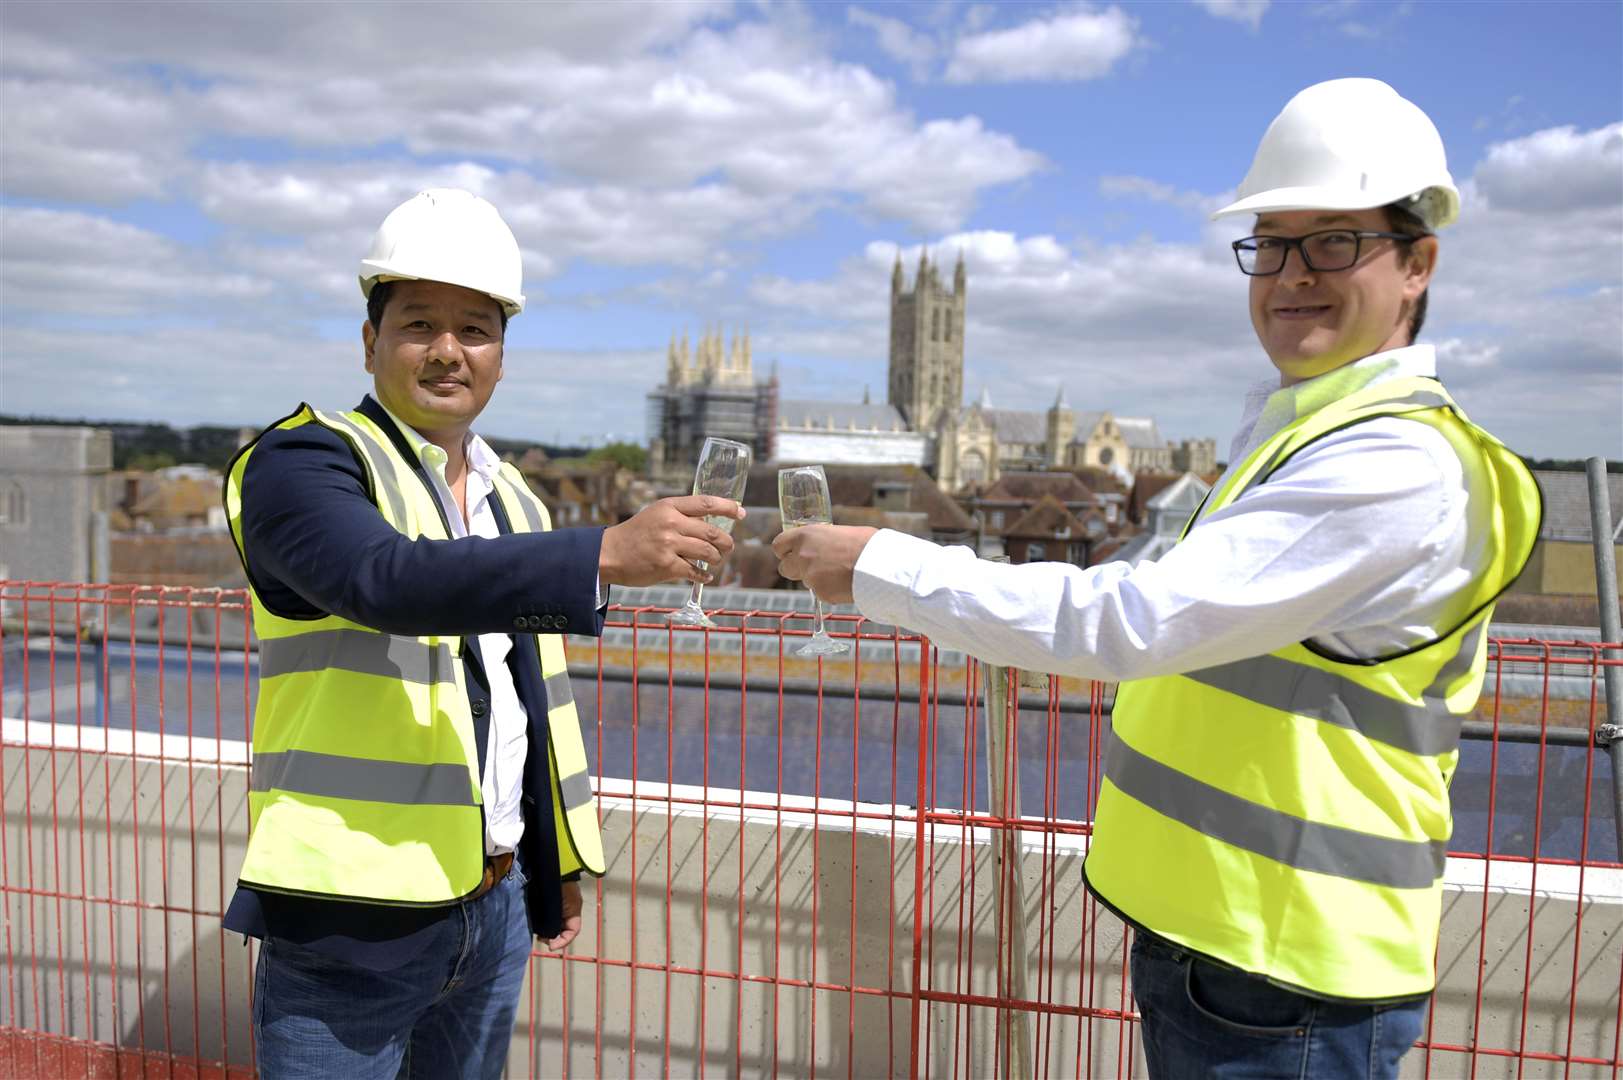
point(803, 499)
point(724, 466)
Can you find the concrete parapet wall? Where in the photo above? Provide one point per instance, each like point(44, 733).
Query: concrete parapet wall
point(155, 843)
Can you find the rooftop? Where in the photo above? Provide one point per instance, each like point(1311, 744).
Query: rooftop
point(1566, 505)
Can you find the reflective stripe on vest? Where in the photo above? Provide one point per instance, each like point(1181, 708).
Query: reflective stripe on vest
point(1425, 729)
point(361, 651)
point(580, 843)
point(1306, 845)
point(338, 777)
point(1288, 814)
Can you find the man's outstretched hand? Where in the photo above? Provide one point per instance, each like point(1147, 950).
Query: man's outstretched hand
point(823, 556)
point(664, 540)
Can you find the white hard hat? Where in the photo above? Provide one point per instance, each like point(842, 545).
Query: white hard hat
point(1350, 144)
point(449, 235)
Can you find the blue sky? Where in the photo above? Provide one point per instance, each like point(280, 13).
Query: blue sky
point(185, 190)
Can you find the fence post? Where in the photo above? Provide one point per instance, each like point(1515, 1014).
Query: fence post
point(1003, 792)
point(1609, 734)
point(921, 851)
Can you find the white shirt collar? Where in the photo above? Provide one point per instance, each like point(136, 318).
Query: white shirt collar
point(481, 458)
point(1269, 407)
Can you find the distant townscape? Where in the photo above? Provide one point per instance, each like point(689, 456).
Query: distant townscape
point(141, 503)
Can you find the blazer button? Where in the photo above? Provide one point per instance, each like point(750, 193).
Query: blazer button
point(518, 623)
point(534, 622)
point(480, 708)
point(548, 622)
point(561, 621)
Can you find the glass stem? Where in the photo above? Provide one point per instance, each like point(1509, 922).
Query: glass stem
point(698, 588)
point(818, 604)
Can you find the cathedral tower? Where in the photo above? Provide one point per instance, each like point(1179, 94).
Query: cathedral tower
point(926, 344)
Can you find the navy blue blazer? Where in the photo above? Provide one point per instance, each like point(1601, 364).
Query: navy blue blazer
point(315, 544)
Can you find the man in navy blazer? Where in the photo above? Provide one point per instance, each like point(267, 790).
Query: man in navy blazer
point(379, 989)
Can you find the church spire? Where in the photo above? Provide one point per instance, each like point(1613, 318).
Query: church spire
point(958, 275)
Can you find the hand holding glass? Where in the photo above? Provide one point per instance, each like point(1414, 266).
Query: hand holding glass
point(724, 466)
point(803, 499)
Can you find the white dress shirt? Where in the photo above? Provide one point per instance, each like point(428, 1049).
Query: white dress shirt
point(1362, 543)
point(503, 773)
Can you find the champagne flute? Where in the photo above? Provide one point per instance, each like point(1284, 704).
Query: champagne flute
point(724, 466)
point(803, 499)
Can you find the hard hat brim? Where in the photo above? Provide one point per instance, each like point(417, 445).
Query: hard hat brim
point(1304, 198)
point(1326, 198)
point(372, 273)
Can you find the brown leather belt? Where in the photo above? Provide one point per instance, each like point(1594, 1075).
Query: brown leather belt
point(496, 867)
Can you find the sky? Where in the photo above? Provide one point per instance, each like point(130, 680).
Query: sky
point(186, 189)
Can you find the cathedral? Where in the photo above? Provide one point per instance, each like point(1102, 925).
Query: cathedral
point(713, 391)
point(708, 390)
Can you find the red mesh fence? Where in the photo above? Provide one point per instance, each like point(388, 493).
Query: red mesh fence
point(862, 865)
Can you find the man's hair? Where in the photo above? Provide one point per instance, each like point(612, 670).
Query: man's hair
point(1401, 219)
point(378, 299)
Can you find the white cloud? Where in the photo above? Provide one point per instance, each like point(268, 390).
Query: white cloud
point(1554, 170)
point(336, 207)
point(899, 41)
point(634, 96)
point(103, 141)
point(1249, 12)
point(1079, 45)
point(81, 264)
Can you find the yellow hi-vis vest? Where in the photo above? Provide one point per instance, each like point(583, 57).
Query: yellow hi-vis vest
point(364, 783)
point(1288, 814)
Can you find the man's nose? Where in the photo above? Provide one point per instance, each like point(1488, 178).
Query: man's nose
point(446, 348)
point(1295, 270)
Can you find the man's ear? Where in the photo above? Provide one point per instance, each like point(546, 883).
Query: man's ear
point(1419, 269)
point(369, 340)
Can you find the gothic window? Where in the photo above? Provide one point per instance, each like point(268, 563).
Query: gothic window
point(973, 470)
point(947, 335)
point(935, 324)
point(1106, 456)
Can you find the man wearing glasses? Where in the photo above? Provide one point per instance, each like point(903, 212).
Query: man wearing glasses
point(1294, 673)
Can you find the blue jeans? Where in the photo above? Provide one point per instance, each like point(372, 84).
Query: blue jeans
point(1202, 1020)
point(446, 1012)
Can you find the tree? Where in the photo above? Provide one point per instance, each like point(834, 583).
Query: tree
point(628, 456)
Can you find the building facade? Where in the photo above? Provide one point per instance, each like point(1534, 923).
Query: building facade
point(834, 433)
point(710, 390)
point(53, 502)
point(926, 376)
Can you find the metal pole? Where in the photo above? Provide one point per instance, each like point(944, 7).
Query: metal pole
point(1609, 734)
point(1010, 902)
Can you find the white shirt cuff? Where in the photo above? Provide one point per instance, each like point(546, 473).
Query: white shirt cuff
point(882, 580)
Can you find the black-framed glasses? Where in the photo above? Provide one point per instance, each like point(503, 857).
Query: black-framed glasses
point(1331, 249)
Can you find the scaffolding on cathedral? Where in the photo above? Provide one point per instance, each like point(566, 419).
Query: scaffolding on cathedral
point(709, 389)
